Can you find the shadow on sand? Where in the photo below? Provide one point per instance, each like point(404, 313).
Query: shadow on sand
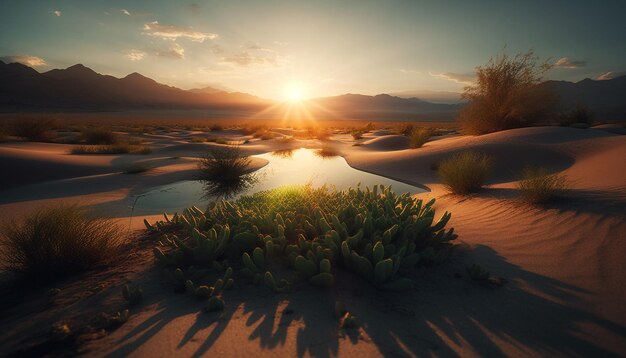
point(445, 315)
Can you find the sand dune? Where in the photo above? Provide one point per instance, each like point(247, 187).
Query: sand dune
point(387, 143)
point(563, 263)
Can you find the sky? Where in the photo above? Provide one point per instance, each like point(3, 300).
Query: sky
point(317, 47)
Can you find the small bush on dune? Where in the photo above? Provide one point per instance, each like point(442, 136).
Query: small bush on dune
point(537, 185)
point(224, 171)
point(465, 172)
point(99, 136)
point(357, 134)
point(37, 130)
point(215, 127)
point(419, 137)
point(507, 94)
point(407, 130)
point(58, 241)
point(581, 116)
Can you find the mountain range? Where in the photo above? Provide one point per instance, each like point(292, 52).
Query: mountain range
point(79, 88)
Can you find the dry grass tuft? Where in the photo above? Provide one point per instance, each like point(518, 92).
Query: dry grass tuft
point(117, 148)
point(465, 172)
point(537, 185)
point(58, 241)
point(420, 136)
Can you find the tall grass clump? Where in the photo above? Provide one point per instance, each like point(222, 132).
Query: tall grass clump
point(58, 241)
point(465, 172)
point(507, 93)
point(224, 171)
point(537, 185)
point(99, 136)
point(420, 136)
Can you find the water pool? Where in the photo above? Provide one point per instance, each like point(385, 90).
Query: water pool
point(297, 167)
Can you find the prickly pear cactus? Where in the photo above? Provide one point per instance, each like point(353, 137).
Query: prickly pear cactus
point(374, 233)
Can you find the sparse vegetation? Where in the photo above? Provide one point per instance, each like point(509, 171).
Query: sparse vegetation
point(58, 241)
point(327, 152)
point(36, 130)
point(357, 134)
point(506, 94)
point(99, 136)
point(198, 139)
point(420, 136)
point(117, 148)
point(465, 172)
point(224, 170)
point(538, 185)
point(580, 117)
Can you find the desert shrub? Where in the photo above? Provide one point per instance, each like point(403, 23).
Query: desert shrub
point(117, 148)
point(36, 130)
point(538, 185)
point(224, 171)
point(357, 134)
point(310, 232)
point(581, 116)
point(420, 136)
point(327, 152)
point(263, 134)
point(136, 168)
point(464, 172)
point(197, 139)
point(58, 241)
point(407, 130)
point(507, 94)
point(4, 137)
point(370, 126)
point(99, 136)
point(215, 127)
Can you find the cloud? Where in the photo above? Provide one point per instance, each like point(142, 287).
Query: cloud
point(462, 78)
point(408, 71)
point(31, 61)
point(565, 62)
point(174, 52)
point(170, 32)
point(57, 12)
point(125, 12)
point(135, 55)
point(260, 57)
point(610, 75)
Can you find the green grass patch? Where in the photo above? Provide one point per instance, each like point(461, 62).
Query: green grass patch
point(465, 172)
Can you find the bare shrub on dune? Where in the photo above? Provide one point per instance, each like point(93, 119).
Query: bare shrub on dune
point(58, 241)
point(117, 148)
point(507, 94)
point(225, 170)
point(99, 136)
point(420, 136)
point(465, 172)
point(538, 185)
point(36, 130)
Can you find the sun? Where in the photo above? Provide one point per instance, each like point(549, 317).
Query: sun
point(294, 93)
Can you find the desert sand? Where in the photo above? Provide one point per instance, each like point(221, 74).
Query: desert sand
point(563, 264)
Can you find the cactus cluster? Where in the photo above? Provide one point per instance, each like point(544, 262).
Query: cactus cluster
point(372, 232)
point(133, 295)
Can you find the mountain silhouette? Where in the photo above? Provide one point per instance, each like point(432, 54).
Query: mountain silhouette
point(80, 88)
